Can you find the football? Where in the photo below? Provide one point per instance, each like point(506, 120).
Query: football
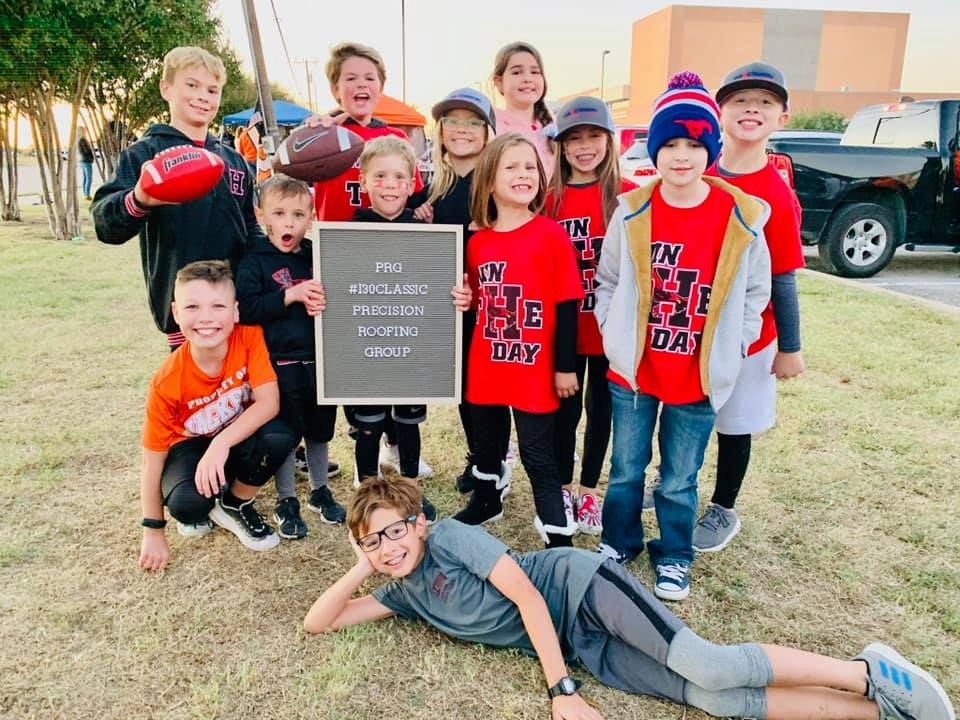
point(314, 154)
point(180, 174)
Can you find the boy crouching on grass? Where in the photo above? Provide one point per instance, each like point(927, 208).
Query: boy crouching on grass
point(567, 604)
point(210, 439)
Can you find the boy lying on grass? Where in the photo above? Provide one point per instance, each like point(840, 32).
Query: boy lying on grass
point(567, 604)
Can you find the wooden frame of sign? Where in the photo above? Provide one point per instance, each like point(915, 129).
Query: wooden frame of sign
point(390, 334)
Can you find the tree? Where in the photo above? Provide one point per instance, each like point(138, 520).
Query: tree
point(53, 51)
point(819, 120)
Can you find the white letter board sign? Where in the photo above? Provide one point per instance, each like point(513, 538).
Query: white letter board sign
point(390, 333)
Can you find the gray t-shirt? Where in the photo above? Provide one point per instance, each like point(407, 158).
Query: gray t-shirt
point(449, 588)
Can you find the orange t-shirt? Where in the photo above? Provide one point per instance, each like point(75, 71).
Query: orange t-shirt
point(184, 402)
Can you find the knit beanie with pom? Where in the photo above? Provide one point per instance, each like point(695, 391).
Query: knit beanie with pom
point(685, 110)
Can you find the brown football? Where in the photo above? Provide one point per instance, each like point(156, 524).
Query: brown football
point(314, 154)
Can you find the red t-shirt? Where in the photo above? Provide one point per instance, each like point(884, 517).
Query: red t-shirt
point(581, 214)
point(518, 277)
point(684, 250)
point(184, 402)
point(338, 199)
point(782, 231)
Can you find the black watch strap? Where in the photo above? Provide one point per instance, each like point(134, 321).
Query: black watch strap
point(153, 523)
point(565, 686)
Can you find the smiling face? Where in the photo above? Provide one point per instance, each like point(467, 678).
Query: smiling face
point(521, 83)
point(681, 162)
point(463, 133)
point(517, 179)
point(396, 558)
point(751, 115)
point(194, 98)
point(388, 181)
point(286, 219)
point(585, 147)
point(206, 312)
point(358, 88)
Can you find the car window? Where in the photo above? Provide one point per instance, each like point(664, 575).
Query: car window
point(861, 130)
point(916, 130)
point(638, 151)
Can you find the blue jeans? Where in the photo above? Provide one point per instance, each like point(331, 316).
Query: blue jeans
point(684, 433)
point(87, 170)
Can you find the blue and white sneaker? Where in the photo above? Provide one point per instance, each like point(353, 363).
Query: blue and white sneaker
point(901, 689)
point(673, 581)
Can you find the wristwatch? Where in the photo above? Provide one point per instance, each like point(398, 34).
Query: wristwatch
point(566, 686)
point(153, 523)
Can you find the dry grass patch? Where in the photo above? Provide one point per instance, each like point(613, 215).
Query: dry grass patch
point(850, 528)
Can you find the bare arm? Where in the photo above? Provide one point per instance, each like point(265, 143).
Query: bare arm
point(510, 579)
point(154, 551)
point(335, 609)
point(210, 476)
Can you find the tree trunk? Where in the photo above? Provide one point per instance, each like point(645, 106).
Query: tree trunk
point(61, 203)
point(9, 204)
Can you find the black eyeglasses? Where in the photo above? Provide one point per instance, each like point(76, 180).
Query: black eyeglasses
point(394, 531)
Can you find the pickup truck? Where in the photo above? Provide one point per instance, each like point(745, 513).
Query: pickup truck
point(893, 179)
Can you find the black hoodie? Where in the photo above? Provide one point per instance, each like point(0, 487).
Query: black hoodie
point(371, 215)
point(215, 227)
point(264, 275)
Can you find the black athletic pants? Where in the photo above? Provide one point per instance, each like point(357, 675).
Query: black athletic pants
point(596, 438)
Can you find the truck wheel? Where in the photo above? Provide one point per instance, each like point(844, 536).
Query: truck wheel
point(860, 240)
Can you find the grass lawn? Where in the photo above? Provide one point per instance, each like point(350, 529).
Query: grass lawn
point(850, 526)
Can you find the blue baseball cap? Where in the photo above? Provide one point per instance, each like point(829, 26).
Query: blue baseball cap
point(758, 75)
point(467, 99)
point(583, 111)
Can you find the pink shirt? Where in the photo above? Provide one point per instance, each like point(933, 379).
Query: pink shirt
point(508, 121)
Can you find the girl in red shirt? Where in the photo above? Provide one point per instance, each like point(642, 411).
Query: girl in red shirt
point(583, 196)
point(523, 275)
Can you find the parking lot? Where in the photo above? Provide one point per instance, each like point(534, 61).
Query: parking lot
point(928, 275)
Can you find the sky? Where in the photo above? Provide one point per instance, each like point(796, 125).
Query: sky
point(451, 43)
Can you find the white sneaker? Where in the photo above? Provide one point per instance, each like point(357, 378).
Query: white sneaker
point(390, 458)
point(195, 530)
point(246, 523)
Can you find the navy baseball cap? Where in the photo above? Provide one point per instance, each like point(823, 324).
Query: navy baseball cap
point(583, 111)
point(759, 75)
point(467, 99)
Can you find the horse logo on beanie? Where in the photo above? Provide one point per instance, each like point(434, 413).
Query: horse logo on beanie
point(685, 110)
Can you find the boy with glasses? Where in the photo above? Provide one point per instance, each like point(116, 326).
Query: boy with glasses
point(568, 604)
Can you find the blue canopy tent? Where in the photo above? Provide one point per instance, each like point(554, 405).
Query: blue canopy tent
point(287, 113)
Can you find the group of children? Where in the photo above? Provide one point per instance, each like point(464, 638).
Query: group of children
point(656, 298)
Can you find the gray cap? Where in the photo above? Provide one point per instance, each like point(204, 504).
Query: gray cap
point(583, 111)
point(759, 75)
point(467, 99)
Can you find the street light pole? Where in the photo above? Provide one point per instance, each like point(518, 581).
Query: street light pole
point(603, 68)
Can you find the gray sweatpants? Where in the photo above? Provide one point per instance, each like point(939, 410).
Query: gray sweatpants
point(629, 640)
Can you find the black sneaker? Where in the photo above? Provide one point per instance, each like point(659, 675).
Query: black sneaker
point(466, 482)
point(331, 512)
point(246, 523)
point(429, 511)
point(333, 469)
point(289, 523)
point(481, 510)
